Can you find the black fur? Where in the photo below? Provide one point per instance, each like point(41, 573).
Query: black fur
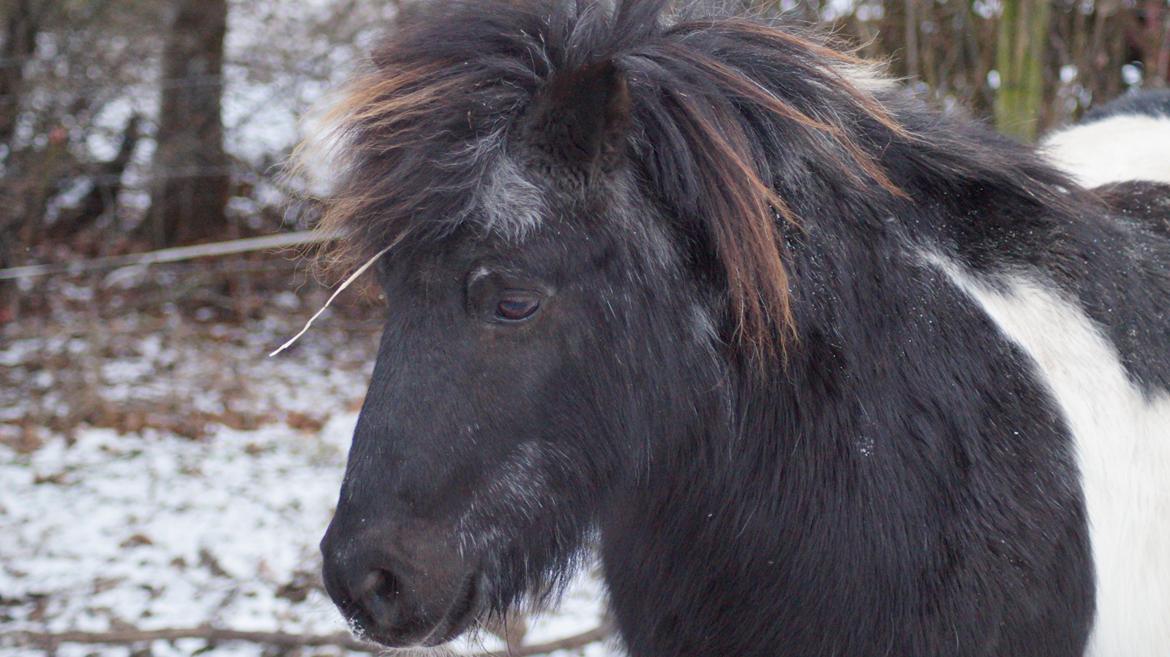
point(1144, 202)
point(894, 481)
point(1147, 102)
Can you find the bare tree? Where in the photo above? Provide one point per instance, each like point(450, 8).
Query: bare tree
point(22, 21)
point(106, 184)
point(1021, 48)
point(189, 201)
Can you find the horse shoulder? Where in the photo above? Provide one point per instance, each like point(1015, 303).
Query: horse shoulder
point(1121, 436)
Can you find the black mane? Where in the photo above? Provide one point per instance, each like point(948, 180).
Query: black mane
point(736, 123)
point(1148, 102)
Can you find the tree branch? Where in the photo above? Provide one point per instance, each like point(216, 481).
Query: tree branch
point(568, 643)
point(280, 639)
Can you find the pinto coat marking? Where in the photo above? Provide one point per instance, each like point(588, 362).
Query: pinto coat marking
point(662, 293)
point(1122, 439)
point(1127, 139)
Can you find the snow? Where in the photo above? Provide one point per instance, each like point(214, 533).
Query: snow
point(104, 528)
point(161, 472)
point(155, 531)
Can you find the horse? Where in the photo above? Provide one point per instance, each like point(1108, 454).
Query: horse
point(808, 366)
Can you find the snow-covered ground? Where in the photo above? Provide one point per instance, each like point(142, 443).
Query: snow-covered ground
point(158, 472)
point(137, 524)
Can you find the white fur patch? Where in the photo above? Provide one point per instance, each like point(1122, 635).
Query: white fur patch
point(1116, 149)
point(1122, 440)
point(703, 325)
point(868, 77)
point(513, 204)
point(519, 486)
point(321, 157)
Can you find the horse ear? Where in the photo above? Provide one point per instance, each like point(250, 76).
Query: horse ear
point(581, 118)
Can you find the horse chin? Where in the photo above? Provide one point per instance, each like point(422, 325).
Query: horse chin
point(462, 614)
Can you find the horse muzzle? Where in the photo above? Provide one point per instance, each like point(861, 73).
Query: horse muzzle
point(400, 588)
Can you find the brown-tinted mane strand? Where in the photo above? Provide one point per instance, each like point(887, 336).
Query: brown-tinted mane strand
point(745, 232)
point(767, 35)
point(753, 91)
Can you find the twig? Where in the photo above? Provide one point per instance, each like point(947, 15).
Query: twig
point(568, 643)
point(131, 636)
point(341, 288)
point(280, 639)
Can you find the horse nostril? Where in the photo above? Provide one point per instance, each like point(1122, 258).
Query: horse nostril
point(380, 593)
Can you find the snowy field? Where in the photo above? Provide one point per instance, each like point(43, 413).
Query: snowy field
point(189, 490)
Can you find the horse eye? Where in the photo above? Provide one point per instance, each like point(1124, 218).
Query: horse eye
point(517, 308)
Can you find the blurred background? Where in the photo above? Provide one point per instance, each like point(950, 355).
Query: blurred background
point(163, 484)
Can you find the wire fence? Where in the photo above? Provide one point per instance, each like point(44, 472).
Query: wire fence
point(161, 256)
point(60, 163)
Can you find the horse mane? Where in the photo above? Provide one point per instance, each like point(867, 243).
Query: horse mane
point(714, 101)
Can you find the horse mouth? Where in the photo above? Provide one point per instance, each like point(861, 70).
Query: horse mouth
point(417, 632)
point(457, 619)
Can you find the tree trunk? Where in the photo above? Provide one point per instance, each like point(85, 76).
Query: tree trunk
point(1154, 41)
point(910, 40)
point(1020, 56)
point(189, 197)
point(21, 24)
point(893, 30)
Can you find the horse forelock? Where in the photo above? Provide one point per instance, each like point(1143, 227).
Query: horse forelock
point(423, 135)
